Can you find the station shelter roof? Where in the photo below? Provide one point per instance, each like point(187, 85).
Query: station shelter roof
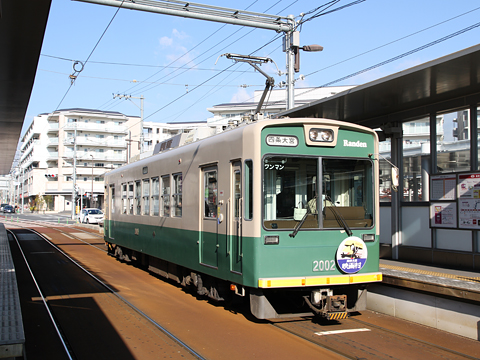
point(448, 83)
point(22, 28)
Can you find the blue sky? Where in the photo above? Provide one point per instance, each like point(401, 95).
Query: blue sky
point(148, 42)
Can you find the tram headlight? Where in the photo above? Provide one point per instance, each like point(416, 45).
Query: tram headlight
point(321, 135)
point(368, 237)
point(271, 240)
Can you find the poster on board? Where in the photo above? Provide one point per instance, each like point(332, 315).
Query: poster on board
point(469, 201)
point(443, 187)
point(443, 215)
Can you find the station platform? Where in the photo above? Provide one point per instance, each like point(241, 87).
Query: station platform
point(436, 280)
point(12, 336)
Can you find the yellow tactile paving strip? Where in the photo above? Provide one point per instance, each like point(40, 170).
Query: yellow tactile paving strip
point(426, 272)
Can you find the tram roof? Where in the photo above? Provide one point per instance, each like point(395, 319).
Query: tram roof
point(447, 83)
point(22, 27)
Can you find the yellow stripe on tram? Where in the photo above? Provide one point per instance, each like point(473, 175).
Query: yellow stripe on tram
point(319, 280)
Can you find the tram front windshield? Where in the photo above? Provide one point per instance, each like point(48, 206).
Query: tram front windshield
point(292, 192)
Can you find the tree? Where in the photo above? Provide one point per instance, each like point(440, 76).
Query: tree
point(39, 202)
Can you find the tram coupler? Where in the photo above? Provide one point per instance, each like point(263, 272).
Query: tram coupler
point(325, 304)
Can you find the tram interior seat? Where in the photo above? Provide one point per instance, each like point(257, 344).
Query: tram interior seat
point(354, 216)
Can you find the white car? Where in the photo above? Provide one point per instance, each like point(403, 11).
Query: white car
point(90, 216)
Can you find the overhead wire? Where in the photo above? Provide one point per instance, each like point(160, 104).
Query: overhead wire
point(216, 31)
point(223, 40)
point(274, 39)
point(420, 48)
point(181, 96)
point(381, 46)
point(91, 52)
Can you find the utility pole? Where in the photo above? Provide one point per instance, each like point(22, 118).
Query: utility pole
point(129, 97)
point(91, 195)
point(23, 191)
point(74, 201)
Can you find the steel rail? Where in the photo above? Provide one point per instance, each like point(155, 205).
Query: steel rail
point(125, 301)
point(44, 300)
point(414, 339)
point(332, 349)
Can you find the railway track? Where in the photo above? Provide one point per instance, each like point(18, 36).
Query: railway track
point(354, 338)
point(63, 330)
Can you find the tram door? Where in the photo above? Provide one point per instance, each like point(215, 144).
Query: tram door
point(209, 241)
point(235, 236)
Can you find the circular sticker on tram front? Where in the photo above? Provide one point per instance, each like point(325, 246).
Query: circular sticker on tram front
point(351, 255)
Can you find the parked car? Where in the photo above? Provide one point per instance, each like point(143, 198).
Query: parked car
point(90, 216)
point(2, 206)
point(8, 209)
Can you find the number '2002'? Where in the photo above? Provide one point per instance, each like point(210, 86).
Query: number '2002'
point(323, 265)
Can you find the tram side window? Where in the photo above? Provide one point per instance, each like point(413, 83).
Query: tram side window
point(211, 189)
point(237, 188)
point(155, 196)
point(146, 197)
point(248, 189)
point(138, 197)
point(130, 198)
point(112, 198)
point(124, 198)
point(165, 196)
point(177, 195)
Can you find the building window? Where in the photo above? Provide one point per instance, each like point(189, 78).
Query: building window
point(177, 194)
point(155, 196)
point(138, 197)
point(165, 196)
point(146, 197)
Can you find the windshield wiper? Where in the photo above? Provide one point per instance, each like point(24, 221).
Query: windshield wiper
point(341, 221)
point(299, 225)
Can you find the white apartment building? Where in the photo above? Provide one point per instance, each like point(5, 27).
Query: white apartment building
point(96, 139)
point(223, 114)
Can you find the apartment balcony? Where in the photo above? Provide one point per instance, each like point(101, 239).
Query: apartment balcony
point(52, 141)
point(108, 127)
point(32, 159)
point(147, 136)
point(32, 133)
point(96, 158)
point(94, 142)
point(52, 127)
point(52, 155)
